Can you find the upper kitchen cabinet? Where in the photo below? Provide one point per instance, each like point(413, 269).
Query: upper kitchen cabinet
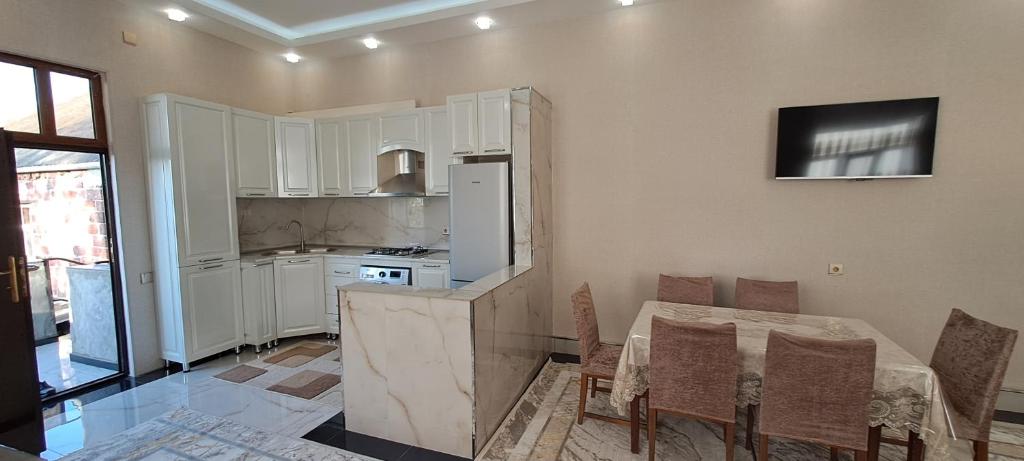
point(255, 154)
point(190, 163)
point(438, 153)
point(296, 157)
point(494, 115)
point(331, 158)
point(401, 131)
point(463, 121)
point(361, 145)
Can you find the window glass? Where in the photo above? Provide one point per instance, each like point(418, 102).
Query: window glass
point(72, 105)
point(18, 106)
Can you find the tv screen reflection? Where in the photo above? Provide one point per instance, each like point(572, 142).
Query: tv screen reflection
point(858, 140)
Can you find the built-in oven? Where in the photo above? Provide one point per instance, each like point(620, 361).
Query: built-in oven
point(385, 275)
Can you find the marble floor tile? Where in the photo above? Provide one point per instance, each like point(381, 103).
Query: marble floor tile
point(58, 370)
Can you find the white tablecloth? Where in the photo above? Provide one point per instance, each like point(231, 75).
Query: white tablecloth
point(906, 396)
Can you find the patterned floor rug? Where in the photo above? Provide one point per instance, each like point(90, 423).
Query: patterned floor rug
point(543, 426)
point(317, 377)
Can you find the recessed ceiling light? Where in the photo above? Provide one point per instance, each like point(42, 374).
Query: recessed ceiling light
point(484, 22)
point(176, 15)
point(371, 43)
point(626, 2)
point(292, 57)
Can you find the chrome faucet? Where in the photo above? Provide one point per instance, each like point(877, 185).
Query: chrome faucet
point(302, 235)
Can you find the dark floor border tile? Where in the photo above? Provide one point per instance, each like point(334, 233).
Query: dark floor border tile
point(1012, 417)
point(332, 432)
point(558, 357)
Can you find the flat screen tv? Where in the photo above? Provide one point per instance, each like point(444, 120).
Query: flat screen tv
point(864, 140)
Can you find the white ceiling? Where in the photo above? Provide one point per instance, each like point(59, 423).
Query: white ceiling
point(334, 28)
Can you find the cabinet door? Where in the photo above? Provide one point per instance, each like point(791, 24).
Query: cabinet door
point(204, 163)
point(462, 115)
point(361, 152)
point(296, 157)
point(331, 160)
point(300, 296)
point(255, 154)
point(495, 121)
point(211, 301)
point(401, 130)
point(433, 276)
point(258, 304)
point(439, 148)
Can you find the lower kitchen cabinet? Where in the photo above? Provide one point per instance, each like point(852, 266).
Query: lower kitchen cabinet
point(299, 291)
point(211, 310)
point(337, 274)
point(258, 304)
point(431, 275)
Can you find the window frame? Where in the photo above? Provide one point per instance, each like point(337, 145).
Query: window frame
point(47, 138)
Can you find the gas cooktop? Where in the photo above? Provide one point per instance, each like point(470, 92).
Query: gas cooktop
point(407, 251)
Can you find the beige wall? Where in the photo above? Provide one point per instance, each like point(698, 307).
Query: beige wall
point(169, 57)
point(664, 144)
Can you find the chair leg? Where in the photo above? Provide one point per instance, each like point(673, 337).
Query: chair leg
point(874, 442)
point(833, 454)
point(750, 427)
point(980, 451)
point(762, 448)
point(652, 428)
point(730, 441)
point(915, 448)
point(593, 387)
point(584, 379)
point(860, 455)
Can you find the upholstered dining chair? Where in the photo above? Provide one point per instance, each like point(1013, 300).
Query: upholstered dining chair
point(970, 361)
point(693, 373)
point(686, 290)
point(817, 390)
point(760, 295)
point(597, 361)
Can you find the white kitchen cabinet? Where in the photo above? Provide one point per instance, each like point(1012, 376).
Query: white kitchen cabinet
point(401, 130)
point(431, 275)
point(360, 145)
point(258, 304)
point(494, 115)
point(211, 301)
point(255, 154)
point(332, 164)
point(299, 292)
point(462, 117)
point(337, 274)
point(439, 149)
point(296, 157)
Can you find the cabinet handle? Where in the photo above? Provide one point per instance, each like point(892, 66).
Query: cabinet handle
point(360, 193)
point(331, 194)
point(296, 261)
point(298, 195)
point(264, 264)
point(253, 194)
point(211, 267)
point(495, 150)
point(343, 273)
point(210, 260)
point(465, 152)
point(431, 265)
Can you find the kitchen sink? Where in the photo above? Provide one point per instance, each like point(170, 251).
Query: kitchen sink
point(297, 252)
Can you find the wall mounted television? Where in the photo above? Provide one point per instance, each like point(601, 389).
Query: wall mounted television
point(864, 140)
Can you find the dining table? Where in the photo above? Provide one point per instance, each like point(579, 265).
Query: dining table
point(907, 396)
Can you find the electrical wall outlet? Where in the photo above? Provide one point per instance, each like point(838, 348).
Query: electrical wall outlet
point(444, 230)
point(835, 269)
point(146, 277)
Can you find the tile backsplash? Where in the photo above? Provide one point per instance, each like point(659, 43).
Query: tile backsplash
point(377, 221)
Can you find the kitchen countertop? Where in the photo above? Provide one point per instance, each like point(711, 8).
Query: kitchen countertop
point(466, 293)
point(259, 256)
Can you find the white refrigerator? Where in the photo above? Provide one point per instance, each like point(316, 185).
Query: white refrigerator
point(481, 222)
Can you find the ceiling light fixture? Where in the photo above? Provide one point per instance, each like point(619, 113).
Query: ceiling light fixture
point(176, 15)
point(626, 2)
point(484, 22)
point(371, 43)
point(292, 57)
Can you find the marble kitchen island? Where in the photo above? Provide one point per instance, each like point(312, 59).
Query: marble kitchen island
point(441, 368)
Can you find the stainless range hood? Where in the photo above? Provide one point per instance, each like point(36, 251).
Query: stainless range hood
point(400, 173)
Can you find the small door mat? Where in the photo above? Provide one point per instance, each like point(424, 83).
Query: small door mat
point(240, 374)
point(306, 384)
point(298, 356)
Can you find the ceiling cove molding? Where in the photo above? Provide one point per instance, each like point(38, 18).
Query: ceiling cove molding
point(393, 16)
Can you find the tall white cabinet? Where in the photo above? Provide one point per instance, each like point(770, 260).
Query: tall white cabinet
point(191, 175)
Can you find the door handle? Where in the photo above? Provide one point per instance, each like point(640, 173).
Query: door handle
point(12, 273)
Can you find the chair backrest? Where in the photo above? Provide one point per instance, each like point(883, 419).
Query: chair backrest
point(818, 390)
point(760, 295)
point(970, 360)
point(686, 290)
point(586, 322)
point(693, 368)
